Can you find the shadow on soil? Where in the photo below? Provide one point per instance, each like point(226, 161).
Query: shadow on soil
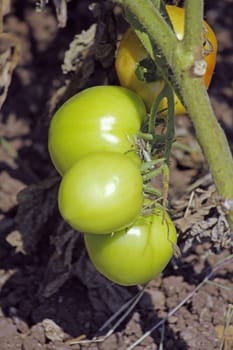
point(81, 301)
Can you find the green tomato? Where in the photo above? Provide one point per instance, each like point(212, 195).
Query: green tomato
point(136, 254)
point(100, 118)
point(101, 193)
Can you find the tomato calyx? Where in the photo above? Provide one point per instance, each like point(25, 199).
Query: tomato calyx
point(151, 171)
point(147, 70)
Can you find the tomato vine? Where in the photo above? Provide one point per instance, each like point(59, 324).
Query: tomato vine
point(183, 58)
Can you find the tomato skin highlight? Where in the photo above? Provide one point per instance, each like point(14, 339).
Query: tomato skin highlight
point(131, 51)
point(101, 193)
point(136, 254)
point(100, 118)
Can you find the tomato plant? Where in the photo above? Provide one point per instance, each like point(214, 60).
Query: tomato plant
point(101, 193)
point(136, 254)
point(131, 52)
point(98, 118)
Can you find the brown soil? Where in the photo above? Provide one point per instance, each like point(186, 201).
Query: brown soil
point(49, 291)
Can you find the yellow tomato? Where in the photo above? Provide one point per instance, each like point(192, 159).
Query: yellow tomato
point(131, 52)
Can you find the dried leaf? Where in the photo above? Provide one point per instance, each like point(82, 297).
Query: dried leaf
point(79, 49)
point(100, 290)
point(9, 55)
point(13, 127)
point(52, 330)
point(37, 205)
point(59, 267)
point(106, 34)
point(15, 240)
point(9, 187)
point(200, 217)
point(95, 44)
point(6, 6)
point(60, 8)
point(61, 11)
point(40, 4)
point(225, 334)
point(70, 259)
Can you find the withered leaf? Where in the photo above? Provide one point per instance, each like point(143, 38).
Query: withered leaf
point(200, 217)
point(9, 55)
point(59, 267)
point(37, 205)
point(100, 290)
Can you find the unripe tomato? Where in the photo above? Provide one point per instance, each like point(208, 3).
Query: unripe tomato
point(100, 118)
point(136, 254)
point(101, 193)
point(131, 52)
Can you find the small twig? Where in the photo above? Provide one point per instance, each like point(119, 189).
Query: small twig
point(162, 337)
point(216, 284)
point(187, 210)
point(218, 266)
point(229, 318)
point(130, 304)
point(203, 181)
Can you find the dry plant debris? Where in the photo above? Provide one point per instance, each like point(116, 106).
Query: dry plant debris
point(49, 291)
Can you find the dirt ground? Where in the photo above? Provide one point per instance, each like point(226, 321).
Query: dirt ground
point(51, 297)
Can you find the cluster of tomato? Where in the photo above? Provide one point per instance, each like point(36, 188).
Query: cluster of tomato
point(92, 143)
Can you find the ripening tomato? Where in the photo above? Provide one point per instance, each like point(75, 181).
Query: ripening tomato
point(101, 193)
point(100, 118)
point(136, 254)
point(131, 52)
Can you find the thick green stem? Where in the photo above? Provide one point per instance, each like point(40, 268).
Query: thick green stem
point(153, 23)
point(210, 137)
point(193, 27)
point(181, 58)
point(208, 131)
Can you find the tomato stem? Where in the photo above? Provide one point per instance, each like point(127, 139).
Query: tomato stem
point(193, 26)
point(150, 165)
point(152, 190)
point(145, 136)
point(170, 124)
point(179, 58)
